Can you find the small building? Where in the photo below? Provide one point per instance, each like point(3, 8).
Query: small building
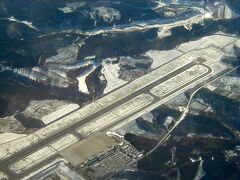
point(87, 150)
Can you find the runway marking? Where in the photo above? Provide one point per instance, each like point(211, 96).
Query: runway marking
point(178, 90)
point(117, 113)
point(115, 96)
point(68, 124)
point(178, 80)
point(116, 116)
point(33, 159)
point(42, 154)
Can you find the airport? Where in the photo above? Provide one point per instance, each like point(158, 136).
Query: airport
point(67, 131)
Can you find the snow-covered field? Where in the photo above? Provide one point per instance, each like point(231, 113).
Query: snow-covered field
point(162, 57)
point(111, 74)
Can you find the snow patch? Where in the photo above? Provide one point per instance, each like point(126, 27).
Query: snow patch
point(29, 24)
point(111, 72)
point(71, 7)
point(162, 33)
point(200, 173)
point(194, 160)
point(148, 117)
point(219, 39)
point(3, 175)
point(82, 86)
point(162, 57)
point(208, 15)
point(108, 15)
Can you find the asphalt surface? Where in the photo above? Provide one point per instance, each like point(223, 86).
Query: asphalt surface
point(4, 164)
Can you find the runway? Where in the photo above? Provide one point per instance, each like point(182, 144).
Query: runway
point(4, 164)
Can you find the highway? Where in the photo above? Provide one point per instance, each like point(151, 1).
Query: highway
point(4, 164)
point(185, 112)
point(180, 119)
